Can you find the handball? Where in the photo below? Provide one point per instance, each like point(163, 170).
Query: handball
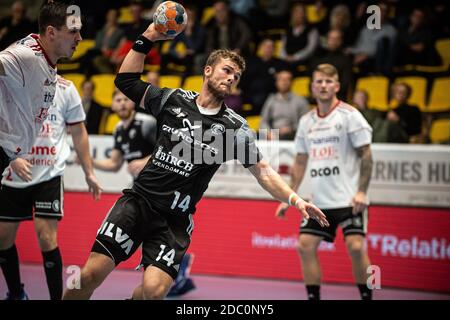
point(170, 18)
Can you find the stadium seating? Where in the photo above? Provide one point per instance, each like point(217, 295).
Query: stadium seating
point(76, 78)
point(377, 87)
point(440, 95)
point(193, 83)
point(170, 81)
point(300, 86)
point(111, 121)
point(440, 131)
point(104, 88)
point(253, 122)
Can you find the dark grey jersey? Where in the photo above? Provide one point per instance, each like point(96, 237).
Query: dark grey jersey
point(189, 149)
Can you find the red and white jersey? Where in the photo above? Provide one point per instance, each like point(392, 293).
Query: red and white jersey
point(26, 93)
point(50, 151)
point(330, 142)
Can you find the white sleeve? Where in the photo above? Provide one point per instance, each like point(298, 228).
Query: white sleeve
point(300, 136)
point(359, 130)
point(19, 64)
point(74, 111)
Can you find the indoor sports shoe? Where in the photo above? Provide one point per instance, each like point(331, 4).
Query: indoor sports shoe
point(183, 283)
point(23, 295)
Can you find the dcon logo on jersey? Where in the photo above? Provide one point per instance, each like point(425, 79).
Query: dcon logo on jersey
point(217, 128)
point(325, 172)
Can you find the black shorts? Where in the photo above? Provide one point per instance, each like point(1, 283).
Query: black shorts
point(46, 198)
point(132, 221)
point(4, 161)
point(343, 217)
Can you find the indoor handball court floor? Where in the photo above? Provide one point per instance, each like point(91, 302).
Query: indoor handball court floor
point(120, 283)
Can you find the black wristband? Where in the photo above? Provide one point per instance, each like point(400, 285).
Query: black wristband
point(142, 45)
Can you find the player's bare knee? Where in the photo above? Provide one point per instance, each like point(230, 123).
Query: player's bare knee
point(90, 279)
point(356, 248)
point(305, 247)
point(47, 240)
point(154, 290)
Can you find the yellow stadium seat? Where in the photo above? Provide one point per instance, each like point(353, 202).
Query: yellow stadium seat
point(125, 15)
point(313, 16)
point(170, 81)
point(443, 47)
point(193, 83)
point(76, 78)
point(253, 122)
point(419, 90)
point(104, 88)
point(111, 122)
point(300, 86)
point(82, 48)
point(440, 131)
point(440, 95)
point(207, 15)
point(377, 89)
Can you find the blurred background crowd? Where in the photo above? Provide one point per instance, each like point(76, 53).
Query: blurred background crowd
point(396, 75)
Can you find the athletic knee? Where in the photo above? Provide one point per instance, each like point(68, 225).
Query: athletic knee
point(154, 290)
point(356, 249)
point(47, 240)
point(90, 279)
point(306, 247)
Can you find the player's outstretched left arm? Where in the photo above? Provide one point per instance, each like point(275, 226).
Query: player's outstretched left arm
point(81, 145)
point(271, 181)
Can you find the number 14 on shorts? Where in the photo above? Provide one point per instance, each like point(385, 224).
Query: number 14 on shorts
point(168, 257)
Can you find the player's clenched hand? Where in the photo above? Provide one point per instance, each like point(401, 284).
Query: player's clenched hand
point(359, 202)
point(308, 210)
point(281, 210)
point(94, 186)
point(22, 168)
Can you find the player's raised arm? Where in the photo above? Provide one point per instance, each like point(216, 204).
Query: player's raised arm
point(128, 80)
point(271, 181)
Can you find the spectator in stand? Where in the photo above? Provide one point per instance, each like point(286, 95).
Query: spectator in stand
point(374, 48)
point(193, 41)
point(415, 41)
point(227, 31)
point(132, 31)
point(94, 111)
point(258, 80)
point(15, 26)
point(98, 59)
point(333, 54)
point(283, 109)
point(407, 116)
point(300, 41)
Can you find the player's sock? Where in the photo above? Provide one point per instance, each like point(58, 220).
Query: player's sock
point(366, 293)
point(313, 292)
point(9, 260)
point(53, 273)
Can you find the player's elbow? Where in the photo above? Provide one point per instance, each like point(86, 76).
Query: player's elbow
point(131, 85)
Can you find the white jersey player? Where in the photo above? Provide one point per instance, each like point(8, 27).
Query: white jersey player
point(28, 78)
point(39, 187)
point(333, 144)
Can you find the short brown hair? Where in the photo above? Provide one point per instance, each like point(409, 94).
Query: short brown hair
point(216, 55)
point(53, 14)
point(327, 69)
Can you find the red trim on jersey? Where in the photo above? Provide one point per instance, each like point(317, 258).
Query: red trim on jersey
point(329, 111)
point(36, 37)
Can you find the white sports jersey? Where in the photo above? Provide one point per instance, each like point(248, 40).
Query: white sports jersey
point(333, 163)
point(26, 92)
point(50, 150)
